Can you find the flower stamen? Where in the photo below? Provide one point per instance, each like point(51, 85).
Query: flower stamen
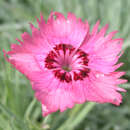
point(62, 61)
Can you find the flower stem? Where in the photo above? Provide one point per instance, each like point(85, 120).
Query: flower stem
point(81, 116)
point(29, 109)
point(75, 119)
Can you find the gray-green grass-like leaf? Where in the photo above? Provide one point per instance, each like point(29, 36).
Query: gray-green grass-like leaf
point(18, 108)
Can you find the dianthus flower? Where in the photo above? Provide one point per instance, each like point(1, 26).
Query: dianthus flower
point(67, 64)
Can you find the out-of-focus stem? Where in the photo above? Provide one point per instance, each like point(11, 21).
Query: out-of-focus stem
point(81, 116)
point(75, 119)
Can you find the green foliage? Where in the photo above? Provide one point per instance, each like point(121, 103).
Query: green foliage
point(18, 108)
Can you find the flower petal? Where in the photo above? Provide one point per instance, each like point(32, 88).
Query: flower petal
point(24, 62)
point(53, 94)
point(103, 89)
point(62, 30)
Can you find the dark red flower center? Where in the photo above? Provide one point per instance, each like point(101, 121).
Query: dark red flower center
point(67, 64)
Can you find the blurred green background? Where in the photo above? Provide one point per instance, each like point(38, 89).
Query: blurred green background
point(18, 108)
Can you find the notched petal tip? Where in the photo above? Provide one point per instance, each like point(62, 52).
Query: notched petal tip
point(95, 28)
point(31, 26)
point(55, 16)
point(41, 22)
point(5, 55)
point(120, 41)
point(38, 21)
point(46, 111)
point(26, 37)
point(103, 30)
point(41, 17)
point(111, 35)
point(118, 66)
point(116, 102)
point(19, 41)
point(87, 24)
point(121, 89)
point(71, 17)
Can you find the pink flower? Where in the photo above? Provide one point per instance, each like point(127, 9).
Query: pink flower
point(68, 64)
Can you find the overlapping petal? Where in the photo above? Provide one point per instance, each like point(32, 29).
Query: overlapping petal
point(98, 84)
